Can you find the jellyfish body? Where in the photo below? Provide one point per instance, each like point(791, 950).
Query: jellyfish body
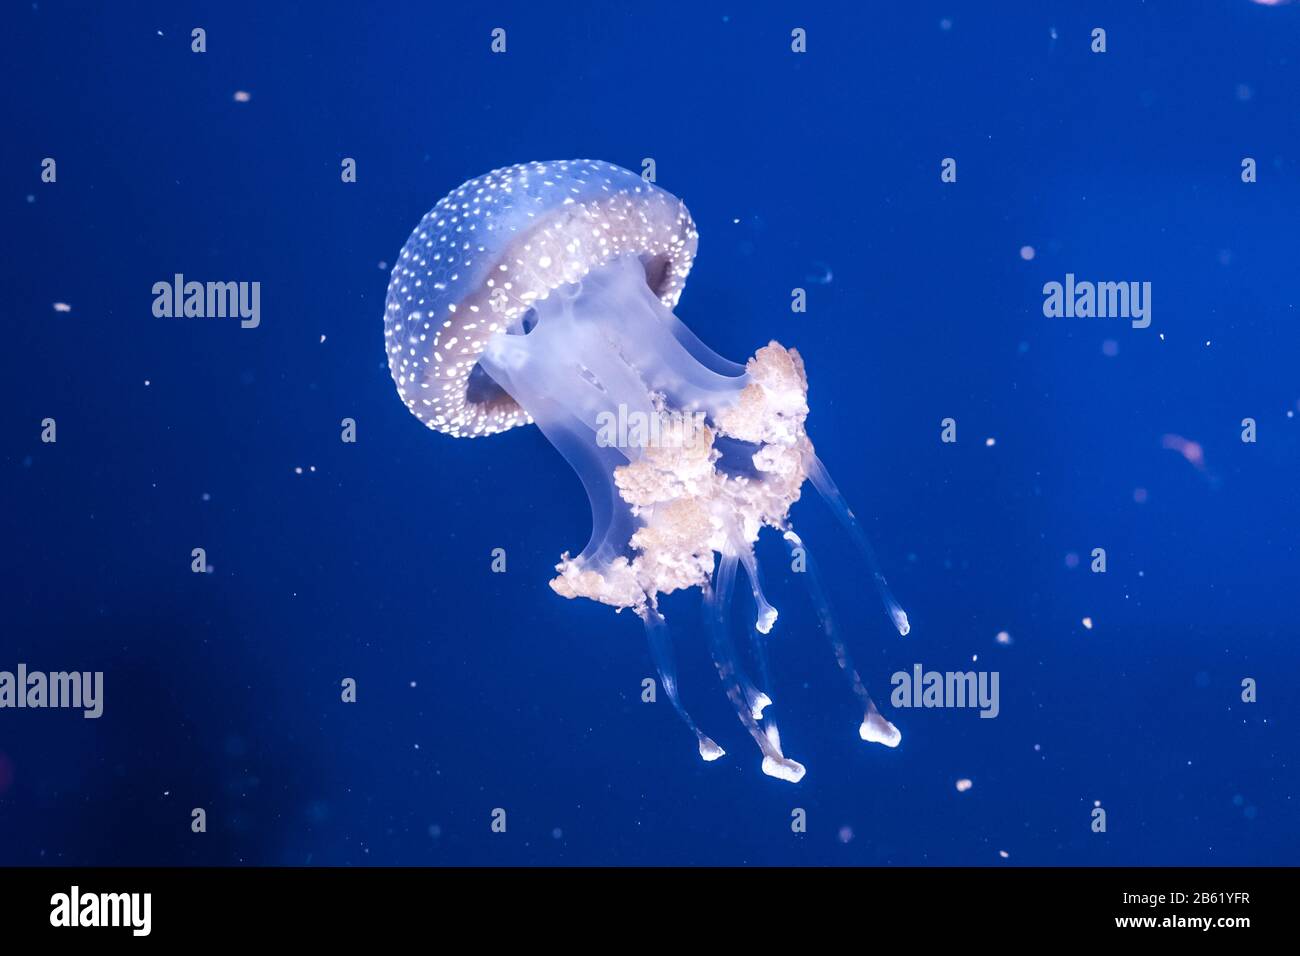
point(543, 293)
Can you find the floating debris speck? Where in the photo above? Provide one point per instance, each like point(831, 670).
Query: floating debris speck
point(964, 784)
point(821, 274)
point(62, 307)
point(1190, 450)
point(242, 96)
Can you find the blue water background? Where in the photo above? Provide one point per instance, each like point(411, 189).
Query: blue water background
point(481, 690)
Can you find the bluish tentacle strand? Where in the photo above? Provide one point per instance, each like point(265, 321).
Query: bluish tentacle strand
point(775, 763)
point(875, 728)
point(757, 700)
point(826, 487)
point(765, 614)
point(661, 649)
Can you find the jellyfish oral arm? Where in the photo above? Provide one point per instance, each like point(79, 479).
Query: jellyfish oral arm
point(607, 352)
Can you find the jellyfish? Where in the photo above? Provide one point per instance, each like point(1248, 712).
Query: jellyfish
point(543, 294)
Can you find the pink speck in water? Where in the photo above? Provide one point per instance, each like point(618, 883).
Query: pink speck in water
point(1190, 450)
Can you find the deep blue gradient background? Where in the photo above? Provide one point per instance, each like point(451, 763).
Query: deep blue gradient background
point(480, 690)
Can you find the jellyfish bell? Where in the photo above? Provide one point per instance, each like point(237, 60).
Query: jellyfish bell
point(542, 294)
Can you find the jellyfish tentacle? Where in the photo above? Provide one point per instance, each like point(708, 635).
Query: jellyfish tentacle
point(756, 699)
point(661, 649)
point(875, 728)
point(765, 616)
point(766, 613)
point(646, 334)
point(830, 493)
point(568, 417)
point(775, 763)
point(612, 522)
point(696, 348)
